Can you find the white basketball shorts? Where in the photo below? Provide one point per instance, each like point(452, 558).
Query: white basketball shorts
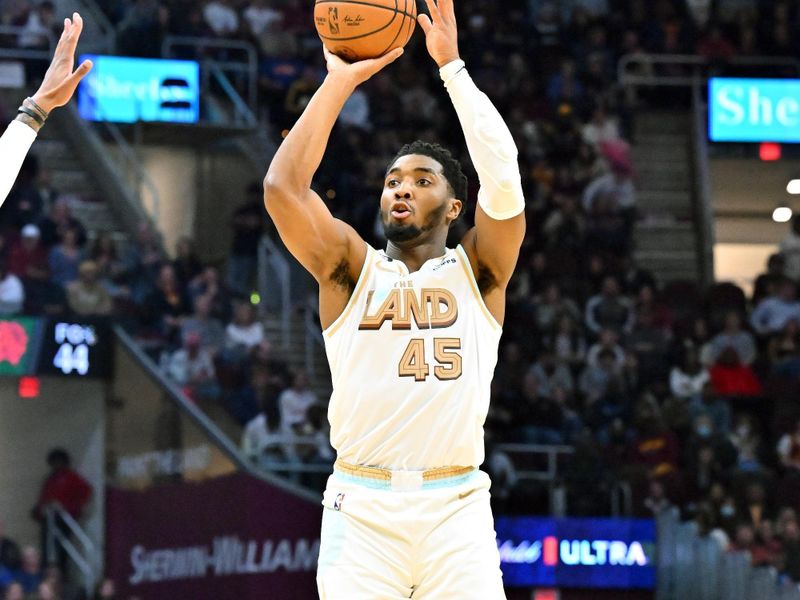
point(436, 542)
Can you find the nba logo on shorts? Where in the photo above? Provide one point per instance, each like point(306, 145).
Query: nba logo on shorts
point(333, 19)
point(337, 504)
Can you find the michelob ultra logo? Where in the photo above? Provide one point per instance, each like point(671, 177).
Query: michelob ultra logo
point(551, 551)
point(578, 553)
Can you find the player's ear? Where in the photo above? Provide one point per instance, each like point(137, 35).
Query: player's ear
point(456, 206)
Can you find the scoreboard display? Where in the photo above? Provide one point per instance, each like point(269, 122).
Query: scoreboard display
point(60, 347)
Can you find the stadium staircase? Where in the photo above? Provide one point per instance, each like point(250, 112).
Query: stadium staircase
point(666, 237)
point(57, 152)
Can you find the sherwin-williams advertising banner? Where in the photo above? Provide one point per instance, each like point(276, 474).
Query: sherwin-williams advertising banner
point(577, 553)
point(127, 90)
point(754, 110)
point(231, 537)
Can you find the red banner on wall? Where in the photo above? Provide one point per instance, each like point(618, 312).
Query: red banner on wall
point(233, 537)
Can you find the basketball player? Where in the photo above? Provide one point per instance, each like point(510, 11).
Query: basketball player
point(56, 90)
point(411, 335)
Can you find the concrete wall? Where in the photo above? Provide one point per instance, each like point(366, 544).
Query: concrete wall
point(68, 414)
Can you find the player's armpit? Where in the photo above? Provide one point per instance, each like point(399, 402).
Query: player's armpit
point(320, 242)
point(493, 245)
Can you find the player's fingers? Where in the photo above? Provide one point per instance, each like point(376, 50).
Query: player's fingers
point(389, 57)
point(74, 33)
point(433, 8)
point(425, 23)
point(73, 80)
point(448, 10)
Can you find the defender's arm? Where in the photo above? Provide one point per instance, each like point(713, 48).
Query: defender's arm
point(318, 240)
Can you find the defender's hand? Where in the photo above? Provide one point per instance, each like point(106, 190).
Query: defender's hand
point(441, 34)
point(60, 82)
point(358, 72)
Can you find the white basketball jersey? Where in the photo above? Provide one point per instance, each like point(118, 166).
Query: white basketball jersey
point(412, 358)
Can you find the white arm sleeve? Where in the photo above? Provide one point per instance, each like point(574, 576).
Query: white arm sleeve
point(14, 146)
point(489, 142)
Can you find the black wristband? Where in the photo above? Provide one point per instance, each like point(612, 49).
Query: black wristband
point(32, 114)
point(42, 112)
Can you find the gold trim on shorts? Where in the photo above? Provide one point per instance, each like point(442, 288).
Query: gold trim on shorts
point(386, 475)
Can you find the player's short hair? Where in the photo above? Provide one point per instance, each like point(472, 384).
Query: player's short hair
point(452, 167)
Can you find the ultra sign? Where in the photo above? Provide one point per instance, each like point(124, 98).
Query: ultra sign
point(754, 110)
point(577, 553)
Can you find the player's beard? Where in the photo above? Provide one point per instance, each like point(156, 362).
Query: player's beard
point(399, 233)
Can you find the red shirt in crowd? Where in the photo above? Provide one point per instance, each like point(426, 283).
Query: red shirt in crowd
point(67, 488)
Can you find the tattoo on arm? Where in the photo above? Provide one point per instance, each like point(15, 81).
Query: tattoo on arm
point(29, 121)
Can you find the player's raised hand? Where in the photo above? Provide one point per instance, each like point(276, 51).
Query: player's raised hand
point(60, 81)
point(441, 31)
point(359, 71)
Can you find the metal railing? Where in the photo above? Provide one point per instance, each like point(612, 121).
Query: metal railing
point(135, 173)
point(85, 555)
point(27, 53)
point(549, 475)
point(703, 210)
point(270, 256)
point(694, 567)
point(695, 68)
point(200, 46)
point(214, 434)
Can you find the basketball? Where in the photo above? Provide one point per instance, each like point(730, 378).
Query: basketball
point(356, 30)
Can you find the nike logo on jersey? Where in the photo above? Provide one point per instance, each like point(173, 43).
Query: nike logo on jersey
point(429, 308)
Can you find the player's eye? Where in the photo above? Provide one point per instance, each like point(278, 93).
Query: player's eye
point(423, 182)
point(392, 183)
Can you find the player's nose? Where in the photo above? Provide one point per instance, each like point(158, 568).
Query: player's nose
point(403, 191)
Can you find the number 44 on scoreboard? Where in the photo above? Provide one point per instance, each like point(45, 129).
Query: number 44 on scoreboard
point(73, 342)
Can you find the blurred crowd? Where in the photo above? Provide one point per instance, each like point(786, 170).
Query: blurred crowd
point(687, 395)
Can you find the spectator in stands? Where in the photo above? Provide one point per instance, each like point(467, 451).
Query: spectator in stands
point(210, 330)
point(790, 250)
point(248, 227)
point(655, 447)
point(58, 587)
point(57, 222)
point(551, 305)
point(142, 30)
point(167, 306)
point(260, 16)
point(615, 186)
point(596, 380)
point(12, 293)
point(110, 267)
point(27, 258)
point(755, 506)
point(105, 590)
point(222, 17)
point(609, 309)
point(601, 128)
point(647, 344)
point(540, 419)
point(142, 264)
point(15, 591)
point(689, 379)
point(244, 333)
point(567, 342)
point(551, 375)
point(87, 296)
point(10, 556)
point(208, 284)
point(295, 401)
point(187, 265)
point(65, 258)
point(783, 350)
point(767, 283)
point(193, 369)
point(656, 501)
point(64, 488)
point(746, 439)
point(264, 440)
point(39, 29)
point(773, 312)
point(791, 549)
point(735, 338)
point(607, 341)
point(789, 449)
